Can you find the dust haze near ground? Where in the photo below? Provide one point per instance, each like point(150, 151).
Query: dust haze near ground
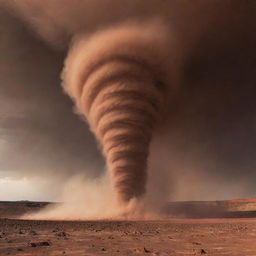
point(209, 111)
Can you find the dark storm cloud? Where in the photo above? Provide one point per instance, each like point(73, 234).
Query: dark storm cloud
point(37, 127)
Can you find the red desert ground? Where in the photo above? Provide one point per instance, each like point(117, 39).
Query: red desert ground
point(193, 228)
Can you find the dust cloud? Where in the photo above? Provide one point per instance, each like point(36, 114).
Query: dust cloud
point(84, 198)
point(122, 88)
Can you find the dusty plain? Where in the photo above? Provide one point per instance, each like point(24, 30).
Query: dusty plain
point(231, 235)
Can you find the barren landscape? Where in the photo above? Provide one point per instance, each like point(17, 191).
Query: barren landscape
point(110, 111)
point(233, 235)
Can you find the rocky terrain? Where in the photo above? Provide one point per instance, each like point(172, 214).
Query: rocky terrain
point(172, 236)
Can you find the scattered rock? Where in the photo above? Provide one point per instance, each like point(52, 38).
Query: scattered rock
point(160, 254)
point(103, 249)
point(146, 250)
point(36, 244)
point(21, 232)
point(33, 233)
point(203, 251)
point(196, 243)
point(19, 249)
point(61, 234)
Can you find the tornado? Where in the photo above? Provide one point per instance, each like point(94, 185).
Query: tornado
point(118, 80)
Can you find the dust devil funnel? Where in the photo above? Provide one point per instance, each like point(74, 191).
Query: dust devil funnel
point(117, 80)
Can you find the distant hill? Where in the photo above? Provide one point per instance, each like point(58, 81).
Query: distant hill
point(14, 209)
point(237, 208)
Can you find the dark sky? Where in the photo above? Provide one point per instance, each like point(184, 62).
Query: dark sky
point(211, 126)
point(38, 129)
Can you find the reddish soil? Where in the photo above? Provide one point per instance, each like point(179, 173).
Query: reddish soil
point(172, 237)
point(221, 236)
